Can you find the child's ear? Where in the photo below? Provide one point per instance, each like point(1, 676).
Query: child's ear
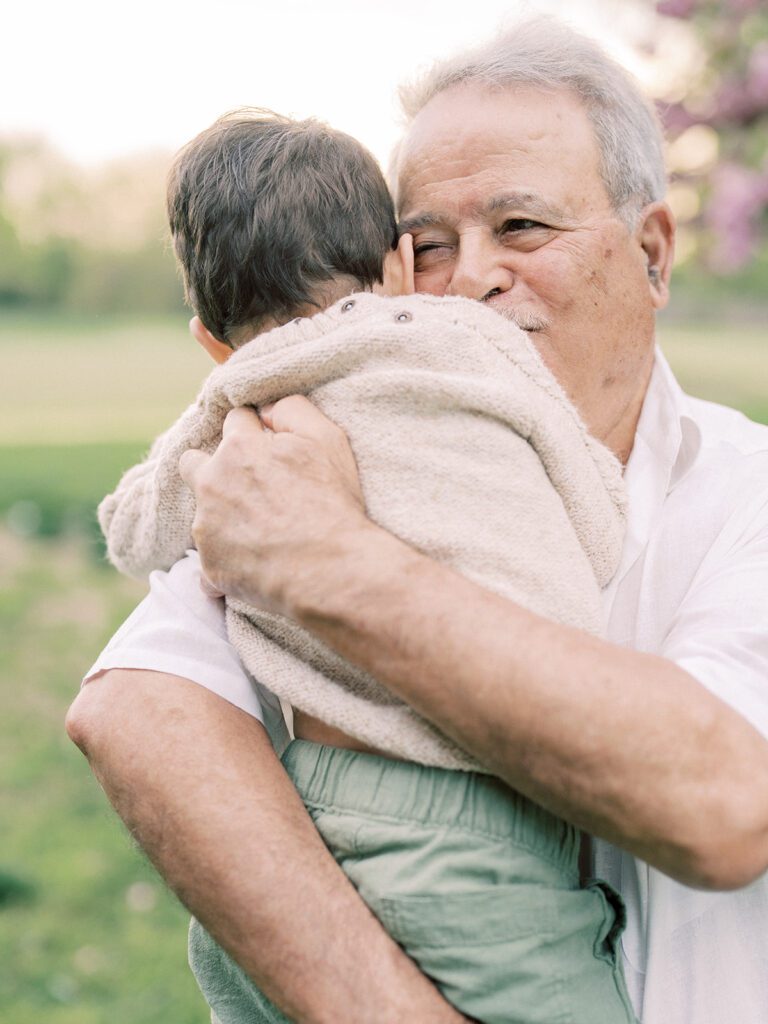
point(219, 351)
point(398, 268)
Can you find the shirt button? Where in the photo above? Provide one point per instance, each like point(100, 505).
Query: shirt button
point(404, 317)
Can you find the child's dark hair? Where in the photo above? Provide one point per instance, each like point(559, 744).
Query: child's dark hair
point(263, 209)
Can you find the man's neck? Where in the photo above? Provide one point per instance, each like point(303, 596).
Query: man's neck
point(619, 435)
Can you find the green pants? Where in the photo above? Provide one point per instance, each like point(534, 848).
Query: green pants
point(476, 883)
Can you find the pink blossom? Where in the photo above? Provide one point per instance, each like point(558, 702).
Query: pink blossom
point(757, 76)
point(676, 8)
point(743, 6)
point(733, 101)
point(676, 118)
point(741, 100)
point(738, 197)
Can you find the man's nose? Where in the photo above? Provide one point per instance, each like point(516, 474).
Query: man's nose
point(479, 270)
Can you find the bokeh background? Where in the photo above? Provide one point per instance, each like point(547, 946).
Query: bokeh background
point(95, 359)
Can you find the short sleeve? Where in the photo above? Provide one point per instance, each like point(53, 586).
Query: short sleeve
point(720, 633)
point(178, 629)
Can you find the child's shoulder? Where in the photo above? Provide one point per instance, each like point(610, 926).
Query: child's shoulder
point(447, 333)
point(448, 312)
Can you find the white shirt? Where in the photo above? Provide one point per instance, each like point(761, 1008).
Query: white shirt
point(692, 586)
point(180, 630)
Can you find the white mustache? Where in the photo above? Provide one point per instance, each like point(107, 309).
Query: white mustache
point(526, 321)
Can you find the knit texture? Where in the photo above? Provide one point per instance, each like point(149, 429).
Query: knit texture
point(468, 449)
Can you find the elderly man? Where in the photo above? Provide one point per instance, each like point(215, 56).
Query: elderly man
point(531, 178)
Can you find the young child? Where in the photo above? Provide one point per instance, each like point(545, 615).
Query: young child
point(467, 449)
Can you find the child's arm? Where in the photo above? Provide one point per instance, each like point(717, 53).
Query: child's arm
point(147, 520)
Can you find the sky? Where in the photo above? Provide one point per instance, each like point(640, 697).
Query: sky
point(100, 80)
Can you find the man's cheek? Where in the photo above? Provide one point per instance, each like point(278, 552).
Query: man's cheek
point(432, 282)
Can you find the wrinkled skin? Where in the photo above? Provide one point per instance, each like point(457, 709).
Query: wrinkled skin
point(503, 195)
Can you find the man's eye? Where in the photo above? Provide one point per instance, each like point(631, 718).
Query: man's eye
point(423, 247)
point(427, 254)
point(520, 224)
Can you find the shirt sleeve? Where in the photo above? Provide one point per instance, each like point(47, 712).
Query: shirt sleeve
point(178, 629)
point(720, 634)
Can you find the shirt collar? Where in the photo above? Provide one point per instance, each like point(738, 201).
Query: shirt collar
point(667, 443)
point(667, 427)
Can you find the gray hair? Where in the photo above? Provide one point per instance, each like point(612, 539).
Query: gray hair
point(547, 54)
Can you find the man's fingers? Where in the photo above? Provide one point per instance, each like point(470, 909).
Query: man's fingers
point(190, 464)
point(242, 420)
point(297, 415)
point(242, 423)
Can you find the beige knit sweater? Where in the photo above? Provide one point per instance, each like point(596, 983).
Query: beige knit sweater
point(467, 448)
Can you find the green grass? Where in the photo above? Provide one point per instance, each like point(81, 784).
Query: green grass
point(89, 935)
point(76, 381)
point(80, 401)
point(52, 489)
point(726, 364)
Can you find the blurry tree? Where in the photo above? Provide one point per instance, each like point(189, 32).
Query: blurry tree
point(718, 131)
point(13, 260)
point(85, 240)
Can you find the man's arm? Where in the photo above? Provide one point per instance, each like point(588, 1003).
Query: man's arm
point(197, 782)
point(626, 745)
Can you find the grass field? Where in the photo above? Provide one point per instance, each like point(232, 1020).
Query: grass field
point(727, 364)
point(83, 381)
point(89, 935)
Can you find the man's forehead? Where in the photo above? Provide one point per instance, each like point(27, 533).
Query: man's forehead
point(472, 143)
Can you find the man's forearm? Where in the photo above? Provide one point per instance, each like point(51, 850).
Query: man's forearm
point(625, 745)
point(197, 782)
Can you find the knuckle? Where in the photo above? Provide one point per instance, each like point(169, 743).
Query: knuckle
point(236, 415)
point(290, 405)
point(233, 446)
point(206, 487)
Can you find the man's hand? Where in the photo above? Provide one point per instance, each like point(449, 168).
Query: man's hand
point(278, 504)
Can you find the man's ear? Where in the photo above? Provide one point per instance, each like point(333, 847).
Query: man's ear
point(219, 351)
point(657, 240)
point(398, 268)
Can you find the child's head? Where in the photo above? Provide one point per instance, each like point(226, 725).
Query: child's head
point(272, 217)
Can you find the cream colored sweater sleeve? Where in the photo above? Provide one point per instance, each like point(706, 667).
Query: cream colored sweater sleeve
point(138, 539)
